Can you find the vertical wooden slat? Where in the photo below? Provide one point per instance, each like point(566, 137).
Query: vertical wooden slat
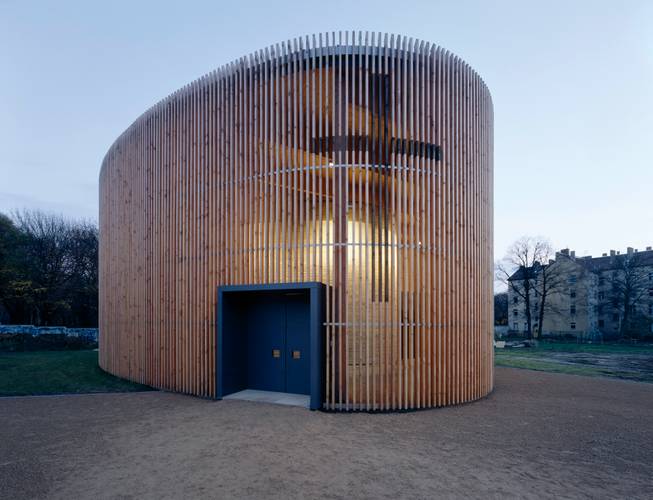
point(310, 160)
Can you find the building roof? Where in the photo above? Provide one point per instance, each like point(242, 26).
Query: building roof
point(599, 264)
point(520, 273)
point(592, 264)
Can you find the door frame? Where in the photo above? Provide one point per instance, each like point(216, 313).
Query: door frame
point(316, 331)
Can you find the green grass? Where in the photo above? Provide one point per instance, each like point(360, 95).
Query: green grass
point(549, 347)
point(619, 359)
point(57, 372)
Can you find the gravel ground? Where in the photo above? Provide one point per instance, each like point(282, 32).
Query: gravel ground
point(538, 435)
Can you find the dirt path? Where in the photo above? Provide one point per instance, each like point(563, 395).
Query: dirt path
point(538, 435)
point(627, 365)
point(635, 363)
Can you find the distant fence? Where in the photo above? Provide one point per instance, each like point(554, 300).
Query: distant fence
point(86, 333)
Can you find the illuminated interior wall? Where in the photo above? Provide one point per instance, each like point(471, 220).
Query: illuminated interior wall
point(360, 161)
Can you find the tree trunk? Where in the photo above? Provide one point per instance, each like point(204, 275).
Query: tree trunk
point(626, 316)
point(540, 319)
point(527, 302)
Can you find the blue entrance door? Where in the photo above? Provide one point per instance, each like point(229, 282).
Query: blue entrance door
point(298, 362)
point(278, 342)
point(266, 338)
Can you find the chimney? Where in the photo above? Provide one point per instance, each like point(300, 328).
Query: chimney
point(604, 255)
point(629, 250)
point(573, 254)
point(612, 253)
point(565, 251)
point(648, 249)
point(551, 261)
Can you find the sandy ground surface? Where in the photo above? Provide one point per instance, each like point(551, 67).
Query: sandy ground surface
point(538, 435)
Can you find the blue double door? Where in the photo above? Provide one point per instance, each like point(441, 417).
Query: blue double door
point(278, 342)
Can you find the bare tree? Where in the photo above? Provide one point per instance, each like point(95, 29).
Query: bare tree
point(45, 242)
point(551, 280)
point(501, 308)
point(526, 272)
point(53, 270)
point(629, 286)
point(82, 254)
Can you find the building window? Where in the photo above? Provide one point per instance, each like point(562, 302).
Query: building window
point(615, 317)
point(650, 276)
point(601, 281)
point(601, 323)
point(515, 312)
point(650, 292)
point(525, 327)
point(515, 300)
point(572, 294)
point(572, 326)
point(650, 309)
point(572, 310)
point(601, 295)
point(599, 309)
point(515, 326)
point(572, 278)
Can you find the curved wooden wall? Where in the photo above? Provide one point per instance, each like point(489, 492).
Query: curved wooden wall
point(362, 161)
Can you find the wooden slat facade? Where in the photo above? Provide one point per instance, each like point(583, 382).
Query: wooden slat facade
point(360, 160)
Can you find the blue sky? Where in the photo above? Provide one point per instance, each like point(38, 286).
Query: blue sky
point(572, 84)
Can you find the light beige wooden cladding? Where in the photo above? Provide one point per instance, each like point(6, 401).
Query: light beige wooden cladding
point(312, 160)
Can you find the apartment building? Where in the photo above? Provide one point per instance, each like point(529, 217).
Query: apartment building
point(589, 297)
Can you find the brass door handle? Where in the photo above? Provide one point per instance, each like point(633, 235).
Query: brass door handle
point(296, 354)
point(276, 353)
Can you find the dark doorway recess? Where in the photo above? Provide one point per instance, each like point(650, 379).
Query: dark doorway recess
point(270, 338)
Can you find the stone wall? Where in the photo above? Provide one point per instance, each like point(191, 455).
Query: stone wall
point(87, 333)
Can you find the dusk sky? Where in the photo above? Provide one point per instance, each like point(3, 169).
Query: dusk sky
point(572, 85)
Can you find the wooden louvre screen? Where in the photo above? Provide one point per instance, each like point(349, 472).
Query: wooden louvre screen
point(362, 161)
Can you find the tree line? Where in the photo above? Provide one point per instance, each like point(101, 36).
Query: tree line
point(48, 270)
